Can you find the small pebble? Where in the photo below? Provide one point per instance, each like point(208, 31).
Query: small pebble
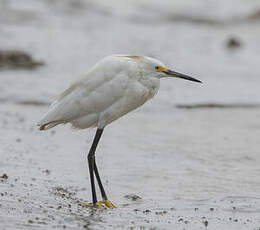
point(132, 197)
point(206, 223)
point(47, 171)
point(4, 176)
point(233, 43)
point(146, 211)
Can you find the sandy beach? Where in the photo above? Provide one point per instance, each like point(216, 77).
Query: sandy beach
point(187, 159)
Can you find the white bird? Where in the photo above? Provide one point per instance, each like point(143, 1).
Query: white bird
point(116, 85)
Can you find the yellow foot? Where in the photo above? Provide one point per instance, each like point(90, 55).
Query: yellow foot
point(106, 204)
point(92, 205)
point(100, 204)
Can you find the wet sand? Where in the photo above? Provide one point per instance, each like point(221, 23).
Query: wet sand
point(188, 159)
point(184, 178)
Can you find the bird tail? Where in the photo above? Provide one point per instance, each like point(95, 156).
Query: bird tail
point(50, 118)
point(49, 125)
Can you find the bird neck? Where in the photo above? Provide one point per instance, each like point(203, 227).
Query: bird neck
point(151, 83)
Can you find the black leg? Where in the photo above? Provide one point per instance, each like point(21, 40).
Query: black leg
point(92, 164)
point(102, 190)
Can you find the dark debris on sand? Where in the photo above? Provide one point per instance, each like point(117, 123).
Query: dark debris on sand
point(233, 43)
point(218, 106)
point(15, 59)
point(4, 176)
point(132, 197)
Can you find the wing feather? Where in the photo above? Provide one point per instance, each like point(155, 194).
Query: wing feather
point(95, 92)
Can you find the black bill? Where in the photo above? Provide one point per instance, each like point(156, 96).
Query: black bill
point(180, 75)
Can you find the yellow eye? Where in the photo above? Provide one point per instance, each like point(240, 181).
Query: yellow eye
point(157, 67)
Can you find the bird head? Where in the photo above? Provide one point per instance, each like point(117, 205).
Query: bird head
point(156, 68)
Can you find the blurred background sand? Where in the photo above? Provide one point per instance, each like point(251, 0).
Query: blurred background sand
point(191, 154)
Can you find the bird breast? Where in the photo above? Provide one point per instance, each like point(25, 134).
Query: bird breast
point(136, 92)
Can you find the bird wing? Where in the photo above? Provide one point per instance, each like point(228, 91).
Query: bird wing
point(92, 94)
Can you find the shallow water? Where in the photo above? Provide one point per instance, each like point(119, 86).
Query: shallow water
point(193, 169)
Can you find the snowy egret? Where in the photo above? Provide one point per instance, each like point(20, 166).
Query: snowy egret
point(115, 86)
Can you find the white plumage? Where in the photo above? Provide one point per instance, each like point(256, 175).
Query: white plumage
point(113, 87)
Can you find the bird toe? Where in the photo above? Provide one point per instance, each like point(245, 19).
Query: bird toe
point(107, 204)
